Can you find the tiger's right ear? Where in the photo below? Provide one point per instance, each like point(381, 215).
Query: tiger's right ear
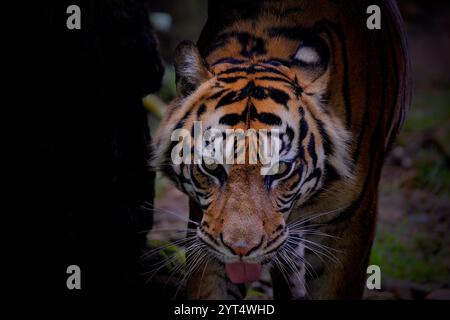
point(190, 69)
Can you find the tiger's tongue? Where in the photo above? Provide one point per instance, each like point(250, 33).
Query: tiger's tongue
point(240, 272)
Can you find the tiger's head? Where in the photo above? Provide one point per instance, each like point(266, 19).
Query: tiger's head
point(244, 212)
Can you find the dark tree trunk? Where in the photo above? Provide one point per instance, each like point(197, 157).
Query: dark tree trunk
point(93, 141)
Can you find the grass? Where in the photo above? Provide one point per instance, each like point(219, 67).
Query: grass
point(409, 259)
point(430, 109)
point(408, 250)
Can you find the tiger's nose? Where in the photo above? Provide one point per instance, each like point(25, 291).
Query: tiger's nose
point(241, 247)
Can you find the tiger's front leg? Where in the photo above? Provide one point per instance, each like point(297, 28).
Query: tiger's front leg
point(209, 282)
point(288, 274)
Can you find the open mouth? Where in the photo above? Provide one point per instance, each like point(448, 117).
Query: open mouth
point(237, 269)
point(241, 272)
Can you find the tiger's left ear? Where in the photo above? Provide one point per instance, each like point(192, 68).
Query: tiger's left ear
point(190, 69)
point(311, 60)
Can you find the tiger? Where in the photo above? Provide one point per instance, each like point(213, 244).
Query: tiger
point(337, 94)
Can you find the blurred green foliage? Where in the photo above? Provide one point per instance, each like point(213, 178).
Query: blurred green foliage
point(419, 259)
point(172, 254)
point(430, 110)
point(168, 89)
point(402, 250)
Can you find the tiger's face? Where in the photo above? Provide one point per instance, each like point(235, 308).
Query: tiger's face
point(245, 212)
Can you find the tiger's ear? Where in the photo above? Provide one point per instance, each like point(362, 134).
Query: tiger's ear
point(190, 69)
point(311, 60)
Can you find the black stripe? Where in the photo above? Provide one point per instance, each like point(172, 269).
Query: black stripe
point(251, 45)
point(265, 117)
point(269, 70)
point(301, 151)
point(290, 133)
point(254, 69)
point(233, 96)
point(288, 200)
point(235, 70)
point(230, 79)
point(303, 127)
point(261, 93)
point(182, 121)
point(210, 237)
point(317, 173)
point(326, 142)
point(217, 94)
point(293, 202)
point(279, 96)
point(227, 99)
point(278, 62)
point(201, 110)
point(276, 79)
point(248, 89)
point(293, 84)
point(274, 239)
point(231, 119)
point(228, 60)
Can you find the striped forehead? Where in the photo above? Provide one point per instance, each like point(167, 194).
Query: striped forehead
point(250, 96)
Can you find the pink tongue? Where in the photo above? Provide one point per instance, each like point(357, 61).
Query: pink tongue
point(240, 272)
